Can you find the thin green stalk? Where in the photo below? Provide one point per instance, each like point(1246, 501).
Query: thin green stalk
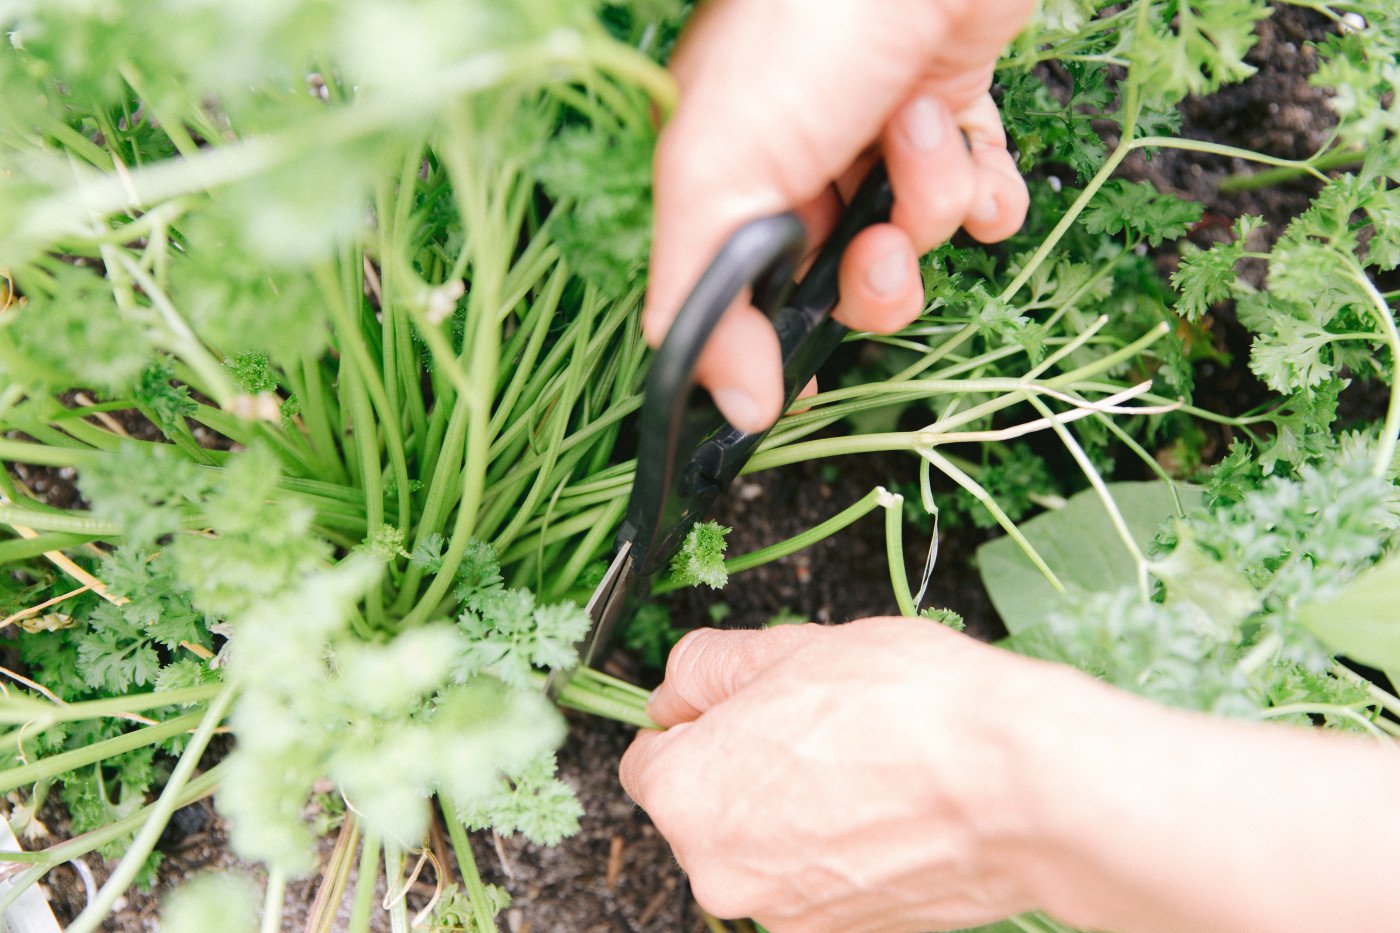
point(433, 514)
point(1390, 432)
point(316, 417)
point(530, 466)
point(593, 546)
point(46, 859)
point(395, 896)
point(944, 465)
point(47, 455)
point(178, 337)
point(536, 329)
point(20, 549)
point(962, 336)
point(130, 865)
point(1323, 709)
point(1115, 515)
point(89, 434)
point(16, 709)
point(557, 425)
point(1383, 698)
point(846, 517)
point(274, 900)
point(367, 441)
point(1253, 181)
point(483, 343)
point(294, 459)
point(471, 875)
point(430, 442)
point(1128, 441)
point(893, 504)
point(365, 879)
point(1062, 382)
point(940, 431)
point(1079, 340)
point(829, 447)
point(72, 522)
point(554, 533)
point(356, 358)
point(55, 765)
point(587, 693)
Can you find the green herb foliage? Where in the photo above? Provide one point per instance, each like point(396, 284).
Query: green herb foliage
point(331, 308)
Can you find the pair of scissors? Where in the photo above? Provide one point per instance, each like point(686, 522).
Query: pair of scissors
point(688, 454)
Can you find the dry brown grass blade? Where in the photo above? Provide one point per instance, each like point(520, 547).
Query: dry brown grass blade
point(321, 917)
point(106, 420)
point(64, 563)
point(35, 610)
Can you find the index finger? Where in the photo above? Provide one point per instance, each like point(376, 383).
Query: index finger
point(709, 666)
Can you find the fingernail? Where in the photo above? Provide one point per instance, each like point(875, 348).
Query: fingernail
point(986, 210)
point(888, 275)
point(738, 406)
point(923, 124)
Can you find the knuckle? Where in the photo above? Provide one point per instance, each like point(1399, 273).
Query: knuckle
point(723, 895)
point(690, 647)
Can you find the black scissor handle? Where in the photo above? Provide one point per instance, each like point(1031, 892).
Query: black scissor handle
point(688, 453)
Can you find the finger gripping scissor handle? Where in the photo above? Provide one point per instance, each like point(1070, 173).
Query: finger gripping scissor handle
point(687, 453)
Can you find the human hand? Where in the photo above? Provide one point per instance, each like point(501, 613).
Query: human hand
point(845, 778)
point(784, 105)
point(890, 775)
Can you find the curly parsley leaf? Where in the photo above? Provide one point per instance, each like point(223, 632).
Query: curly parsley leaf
point(1193, 47)
point(165, 401)
point(67, 335)
point(116, 655)
point(1141, 211)
point(605, 179)
point(1045, 129)
point(701, 557)
point(1207, 276)
point(531, 801)
point(262, 543)
point(148, 490)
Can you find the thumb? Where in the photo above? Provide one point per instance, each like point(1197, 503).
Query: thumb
point(709, 666)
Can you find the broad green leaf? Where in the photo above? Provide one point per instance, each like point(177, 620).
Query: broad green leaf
point(1363, 620)
point(1079, 544)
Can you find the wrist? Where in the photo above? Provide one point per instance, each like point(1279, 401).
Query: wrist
point(1098, 765)
point(1011, 779)
point(1065, 748)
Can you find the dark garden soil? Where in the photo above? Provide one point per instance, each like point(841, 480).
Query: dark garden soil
point(617, 874)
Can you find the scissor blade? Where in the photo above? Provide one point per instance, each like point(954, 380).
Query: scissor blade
point(603, 608)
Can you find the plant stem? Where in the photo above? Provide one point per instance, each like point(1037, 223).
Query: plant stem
point(272, 903)
point(365, 880)
point(471, 875)
point(1247, 181)
point(893, 504)
point(1390, 432)
point(394, 893)
point(16, 709)
point(1115, 516)
point(47, 859)
point(597, 694)
point(62, 763)
point(981, 495)
point(847, 516)
point(146, 838)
